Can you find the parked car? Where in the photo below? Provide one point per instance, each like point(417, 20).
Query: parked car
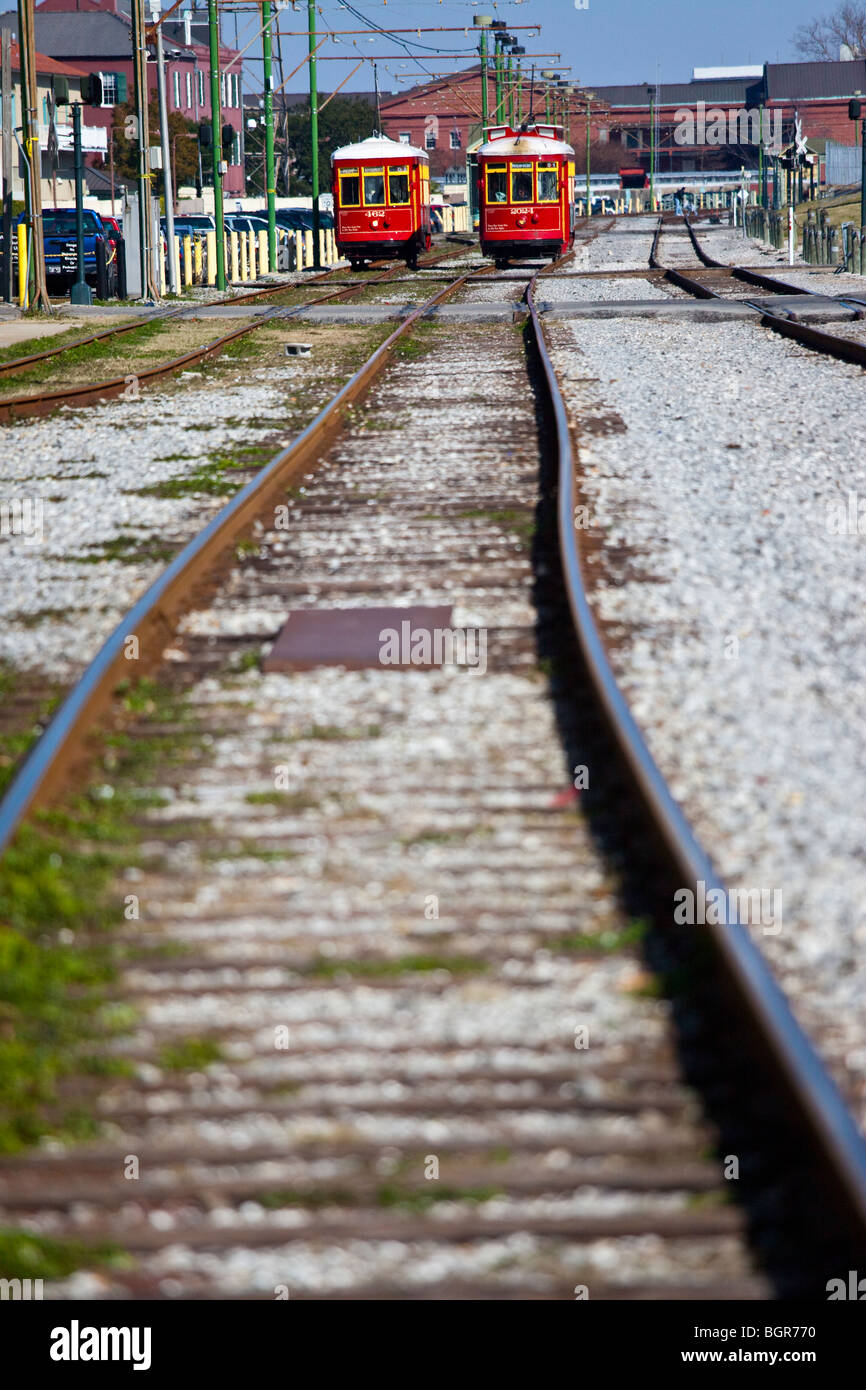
point(60, 248)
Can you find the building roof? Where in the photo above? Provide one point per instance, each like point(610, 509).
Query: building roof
point(729, 91)
point(802, 81)
point(89, 35)
point(46, 64)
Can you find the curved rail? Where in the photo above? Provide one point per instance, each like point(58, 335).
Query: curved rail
point(845, 349)
point(810, 1085)
point(152, 617)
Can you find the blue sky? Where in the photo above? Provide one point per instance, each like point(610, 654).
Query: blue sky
point(609, 41)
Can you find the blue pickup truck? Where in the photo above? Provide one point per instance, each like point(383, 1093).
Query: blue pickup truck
point(58, 239)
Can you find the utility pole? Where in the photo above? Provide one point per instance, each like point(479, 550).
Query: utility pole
point(6, 124)
point(155, 14)
point(483, 21)
point(37, 288)
point(139, 72)
point(652, 147)
point(270, 181)
point(216, 117)
point(762, 182)
point(314, 133)
point(510, 81)
point(80, 292)
point(589, 97)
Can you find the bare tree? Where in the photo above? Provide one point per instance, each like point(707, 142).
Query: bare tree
point(823, 38)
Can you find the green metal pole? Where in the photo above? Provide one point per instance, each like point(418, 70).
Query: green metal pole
point(588, 203)
point(80, 292)
point(547, 104)
point(652, 152)
point(497, 60)
point(510, 80)
point(216, 143)
point(314, 133)
point(863, 174)
point(270, 181)
point(485, 115)
point(761, 179)
point(519, 83)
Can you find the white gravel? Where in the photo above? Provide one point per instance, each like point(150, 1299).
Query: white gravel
point(737, 619)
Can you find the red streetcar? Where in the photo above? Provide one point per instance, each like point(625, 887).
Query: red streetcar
point(526, 188)
point(381, 201)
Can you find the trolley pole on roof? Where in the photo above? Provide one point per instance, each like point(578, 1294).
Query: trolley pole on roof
point(314, 133)
point(216, 143)
point(270, 181)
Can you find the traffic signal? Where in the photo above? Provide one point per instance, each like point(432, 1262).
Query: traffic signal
point(854, 109)
point(91, 89)
point(228, 140)
point(205, 135)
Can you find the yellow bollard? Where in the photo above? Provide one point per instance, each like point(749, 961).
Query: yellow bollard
point(300, 246)
point(196, 253)
point(233, 248)
point(187, 261)
point(245, 266)
point(253, 248)
point(264, 267)
point(323, 248)
point(332, 239)
point(308, 247)
point(22, 265)
point(175, 251)
point(210, 244)
point(162, 270)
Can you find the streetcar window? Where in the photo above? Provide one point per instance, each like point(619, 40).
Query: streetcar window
point(521, 183)
point(548, 183)
point(398, 186)
point(497, 185)
point(374, 188)
point(350, 188)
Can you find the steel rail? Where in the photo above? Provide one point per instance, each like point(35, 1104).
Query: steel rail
point(816, 1094)
point(780, 321)
point(152, 618)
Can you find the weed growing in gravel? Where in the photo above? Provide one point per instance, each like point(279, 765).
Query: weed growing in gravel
point(128, 550)
point(326, 968)
point(24, 1255)
point(191, 1054)
point(58, 904)
point(19, 731)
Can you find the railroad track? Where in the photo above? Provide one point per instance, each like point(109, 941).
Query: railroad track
point(716, 281)
point(34, 404)
point(419, 906)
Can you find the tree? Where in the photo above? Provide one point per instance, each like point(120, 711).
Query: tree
point(343, 121)
point(823, 38)
point(184, 151)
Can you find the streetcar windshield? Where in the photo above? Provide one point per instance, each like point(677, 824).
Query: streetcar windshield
point(521, 183)
point(497, 185)
point(548, 183)
point(350, 188)
point(398, 186)
point(374, 188)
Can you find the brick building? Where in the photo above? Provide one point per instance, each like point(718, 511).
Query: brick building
point(96, 36)
point(55, 127)
point(723, 104)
